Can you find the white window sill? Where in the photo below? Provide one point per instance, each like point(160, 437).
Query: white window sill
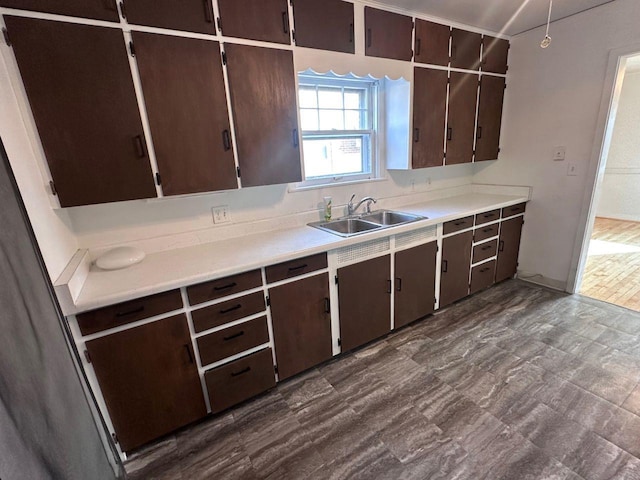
point(301, 187)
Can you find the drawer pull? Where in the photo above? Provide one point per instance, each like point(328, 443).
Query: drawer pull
point(285, 22)
point(483, 270)
point(489, 215)
point(130, 312)
point(389, 286)
point(225, 287)
point(231, 337)
point(487, 230)
point(399, 284)
point(235, 307)
point(418, 46)
point(327, 305)
point(241, 372)
point(351, 33)
point(299, 267)
point(369, 37)
point(488, 247)
point(501, 249)
point(445, 265)
point(462, 222)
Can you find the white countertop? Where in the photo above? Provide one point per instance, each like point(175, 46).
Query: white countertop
point(176, 268)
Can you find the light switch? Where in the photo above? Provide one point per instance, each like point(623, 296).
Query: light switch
point(572, 169)
point(559, 153)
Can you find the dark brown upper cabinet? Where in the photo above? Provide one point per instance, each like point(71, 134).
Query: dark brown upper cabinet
point(149, 380)
point(388, 34)
point(463, 92)
point(489, 118)
point(263, 100)
point(429, 111)
point(326, 25)
point(432, 43)
point(96, 9)
point(465, 49)
point(495, 52)
point(415, 283)
point(509, 248)
point(186, 103)
point(79, 85)
point(264, 20)
point(456, 262)
point(189, 15)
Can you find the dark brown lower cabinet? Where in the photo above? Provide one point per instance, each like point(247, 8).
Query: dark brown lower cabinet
point(509, 248)
point(301, 317)
point(482, 276)
point(364, 291)
point(149, 380)
point(456, 261)
point(415, 283)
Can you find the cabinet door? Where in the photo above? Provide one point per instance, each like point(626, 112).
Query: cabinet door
point(327, 25)
point(186, 103)
point(432, 43)
point(494, 54)
point(465, 49)
point(463, 93)
point(456, 261)
point(149, 380)
point(489, 118)
point(509, 248)
point(429, 111)
point(388, 34)
point(189, 15)
point(415, 283)
point(97, 9)
point(263, 99)
point(80, 89)
point(364, 290)
point(301, 317)
point(265, 20)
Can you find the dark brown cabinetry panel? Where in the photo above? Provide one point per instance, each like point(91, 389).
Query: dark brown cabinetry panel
point(295, 268)
point(457, 225)
point(495, 52)
point(186, 102)
point(487, 217)
point(463, 93)
point(301, 317)
point(509, 248)
point(265, 20)
point(97, 9)
point(365, 301)
point(225, 312)
point(513, 210)
point(388, 34)
point(149, 380)
point(484, 232)
point(482, 276)
point(263, 98)
point(465, 49)
point(432, 43)
point(233, 340)
point(489, 118)
point(456, 260)
point(484, 250)
point(327, 25)
point(429, 111)
point(240, 380)
point(80, 89)
point(415, 283)
point(223, 287)
point(189, 15)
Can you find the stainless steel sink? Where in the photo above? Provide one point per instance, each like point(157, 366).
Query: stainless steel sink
point(356, 225)
point(389, 217)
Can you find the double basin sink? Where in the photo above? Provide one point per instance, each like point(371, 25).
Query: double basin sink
point(356, 225)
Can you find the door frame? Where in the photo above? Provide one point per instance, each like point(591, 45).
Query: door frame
point(616, 68)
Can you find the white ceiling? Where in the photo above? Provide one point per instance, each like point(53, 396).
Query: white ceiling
point(509, 17)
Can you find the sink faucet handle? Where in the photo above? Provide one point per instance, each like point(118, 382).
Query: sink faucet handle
point(350, 205)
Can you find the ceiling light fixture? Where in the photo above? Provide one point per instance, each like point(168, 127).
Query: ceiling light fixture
point(546, 41)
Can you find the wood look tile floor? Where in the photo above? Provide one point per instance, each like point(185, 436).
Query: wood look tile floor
point(516, 382)
point(612, 273)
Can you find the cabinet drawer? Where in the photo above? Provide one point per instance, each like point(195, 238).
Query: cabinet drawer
point(297, 267)
point(128, 312)
point(487, 217)
point(513, 210)
point(483, 233)
point(482, 276)
point(205, 292)
point(226, 312)
point(233, 340)
point(485, 250)
point(456, 225)
point(239, 380)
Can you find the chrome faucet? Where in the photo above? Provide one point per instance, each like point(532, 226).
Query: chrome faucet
point(351, 209)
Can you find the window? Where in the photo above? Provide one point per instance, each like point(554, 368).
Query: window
point(338, 118)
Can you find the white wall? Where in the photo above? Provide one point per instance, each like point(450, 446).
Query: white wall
point(553, 99)
point(620, 195)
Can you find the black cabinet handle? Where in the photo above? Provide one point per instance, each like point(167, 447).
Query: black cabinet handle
point(445, 266)
point(488, 247)
point(225, 287)
point(190, 355)
point(389, 286)
point(245, 370)
point(487, 230)
point(483, 270)
point(231, 337)
point(130, 312)
point(285, 22)
point(501, 249)
point(449, 133)
point(461, 222)
point(369, 37)
point(479, 136)
point(296, 141)
point(226, 140)
point(139, 146)
point(299, 267)
point(235, 307)
point(418, 46)
point(398, 284)
point(351, 33)
point(327, 305)
point(416, 135)
point(208, 14)
point(489, 215)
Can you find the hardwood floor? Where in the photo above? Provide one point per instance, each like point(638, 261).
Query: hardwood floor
point(516, 382)
point(612, 273)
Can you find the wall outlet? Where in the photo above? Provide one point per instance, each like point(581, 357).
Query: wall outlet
point(221, 214)
point(572, 169)
point(559, 153)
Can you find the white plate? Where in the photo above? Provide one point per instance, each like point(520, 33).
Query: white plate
point(120, 257)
